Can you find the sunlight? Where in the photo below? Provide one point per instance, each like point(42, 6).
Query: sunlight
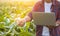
point(16, 0)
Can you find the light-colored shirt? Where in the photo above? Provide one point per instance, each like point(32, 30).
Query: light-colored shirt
point(47, 10)
point(47, 7)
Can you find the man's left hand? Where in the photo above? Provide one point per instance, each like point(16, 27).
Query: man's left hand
point(58, 22)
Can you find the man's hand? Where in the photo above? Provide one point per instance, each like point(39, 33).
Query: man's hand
point(21, 22)
point(57, 22)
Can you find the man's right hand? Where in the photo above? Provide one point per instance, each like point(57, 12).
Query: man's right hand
point(21, 22)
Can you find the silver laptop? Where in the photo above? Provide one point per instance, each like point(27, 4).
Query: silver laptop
point(44, 19)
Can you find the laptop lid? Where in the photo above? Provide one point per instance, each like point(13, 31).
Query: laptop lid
point(44, 19)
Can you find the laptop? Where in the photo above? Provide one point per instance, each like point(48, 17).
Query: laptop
point(44, 19)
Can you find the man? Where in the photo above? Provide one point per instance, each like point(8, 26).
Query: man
point(46, 6)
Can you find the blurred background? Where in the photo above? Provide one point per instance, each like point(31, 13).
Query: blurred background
point(10, 10)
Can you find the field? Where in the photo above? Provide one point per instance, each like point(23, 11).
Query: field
point(9, 11)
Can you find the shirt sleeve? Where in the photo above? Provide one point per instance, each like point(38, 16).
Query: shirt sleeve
point(35, 8)
point(30, 15)
point(58, 18)
point(56, 9)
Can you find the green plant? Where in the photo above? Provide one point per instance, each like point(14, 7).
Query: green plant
point(8, 25)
